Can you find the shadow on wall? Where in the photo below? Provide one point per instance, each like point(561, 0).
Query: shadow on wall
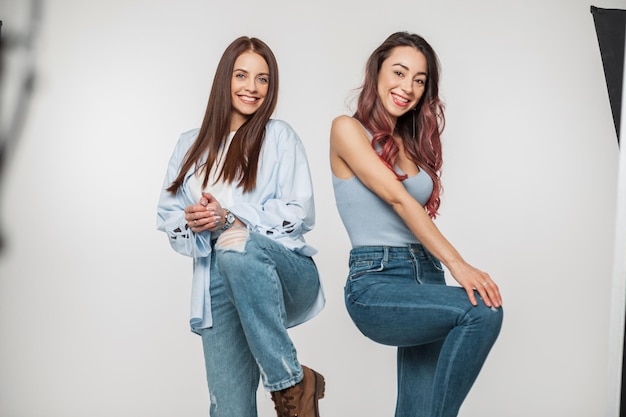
point(17, 80)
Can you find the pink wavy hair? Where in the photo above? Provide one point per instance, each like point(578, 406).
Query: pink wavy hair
point(420, 130)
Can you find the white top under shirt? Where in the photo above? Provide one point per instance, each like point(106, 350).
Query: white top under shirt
point(222, 191)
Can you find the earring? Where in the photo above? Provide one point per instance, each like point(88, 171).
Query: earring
point(413, 124)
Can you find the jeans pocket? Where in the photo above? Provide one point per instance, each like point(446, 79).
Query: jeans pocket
point(434, 262)
point(358, 268)
point(431, 271)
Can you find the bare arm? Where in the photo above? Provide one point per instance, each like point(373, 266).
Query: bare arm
point(351, 154)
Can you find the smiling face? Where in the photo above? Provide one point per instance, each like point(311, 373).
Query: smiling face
point(248, 87)
point(402, 80)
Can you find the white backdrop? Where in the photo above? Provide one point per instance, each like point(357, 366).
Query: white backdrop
point(94, 303)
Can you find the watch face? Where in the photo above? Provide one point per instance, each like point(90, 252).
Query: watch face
point(230, 217)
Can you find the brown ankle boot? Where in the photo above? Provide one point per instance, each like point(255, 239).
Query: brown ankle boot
point(301, 399)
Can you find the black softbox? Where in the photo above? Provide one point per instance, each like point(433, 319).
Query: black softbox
point(611, 31)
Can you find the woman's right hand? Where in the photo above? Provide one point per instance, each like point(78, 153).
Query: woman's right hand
point(473, 279)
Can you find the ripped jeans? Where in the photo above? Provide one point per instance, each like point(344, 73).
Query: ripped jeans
point(397, 296)
point(256, 284)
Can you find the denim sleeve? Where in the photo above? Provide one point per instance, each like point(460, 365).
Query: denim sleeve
point(171, 208)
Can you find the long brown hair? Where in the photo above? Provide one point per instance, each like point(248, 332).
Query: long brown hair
point(241, 162)
point(420, 130)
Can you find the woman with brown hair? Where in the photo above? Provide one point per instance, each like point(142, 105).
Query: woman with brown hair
point(238, 198)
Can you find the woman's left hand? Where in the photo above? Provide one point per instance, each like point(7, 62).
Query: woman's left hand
point(206, 215)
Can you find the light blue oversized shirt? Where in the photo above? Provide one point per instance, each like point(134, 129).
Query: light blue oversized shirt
point(281, 207)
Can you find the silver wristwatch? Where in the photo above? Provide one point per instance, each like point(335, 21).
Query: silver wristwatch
point(229, 219)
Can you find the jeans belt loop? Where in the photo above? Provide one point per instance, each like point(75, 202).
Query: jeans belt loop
point(385, 254)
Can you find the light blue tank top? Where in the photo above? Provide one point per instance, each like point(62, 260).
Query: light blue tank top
point(368, 219)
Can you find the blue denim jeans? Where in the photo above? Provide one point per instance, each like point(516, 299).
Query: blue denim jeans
point(397, 296)
point(253, 292)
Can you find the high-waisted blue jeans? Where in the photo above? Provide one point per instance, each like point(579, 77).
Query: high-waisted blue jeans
point(252, 293)
point(397, 296)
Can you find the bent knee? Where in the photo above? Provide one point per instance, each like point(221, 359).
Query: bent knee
point(491, 318)
point(233, 239)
